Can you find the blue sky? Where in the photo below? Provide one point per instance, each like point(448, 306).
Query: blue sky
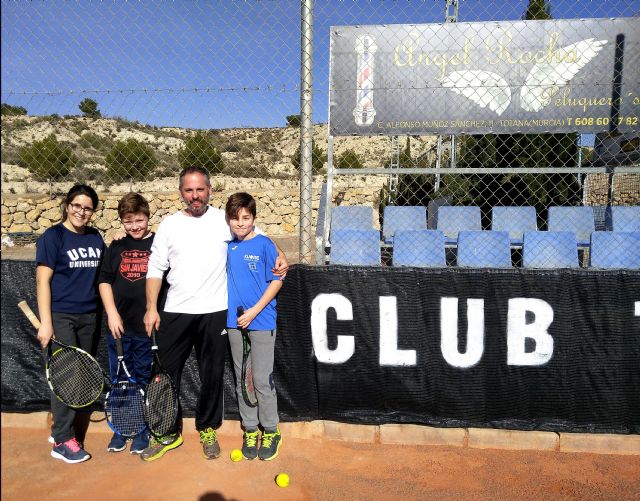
point(144, 60)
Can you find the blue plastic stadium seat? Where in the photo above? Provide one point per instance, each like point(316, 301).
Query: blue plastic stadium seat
point(432, 210)
point(424, 248)
point(625, 217)
point(515, 220)
point(578, 220)
point(615, 249)
point(550, 249)
point(453, 219)
point(398, 217)
point(601, 217)
point(484, 249)
point(351, 217)
point(355, 247)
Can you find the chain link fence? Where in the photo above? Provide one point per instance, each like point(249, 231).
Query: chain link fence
point(124, 95)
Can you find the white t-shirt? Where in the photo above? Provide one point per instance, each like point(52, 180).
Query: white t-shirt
point(194, 250)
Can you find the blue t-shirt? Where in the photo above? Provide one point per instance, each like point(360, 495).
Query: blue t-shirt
point(249, 264)
point(74, 259)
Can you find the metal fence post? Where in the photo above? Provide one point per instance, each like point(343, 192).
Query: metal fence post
point(306, 130)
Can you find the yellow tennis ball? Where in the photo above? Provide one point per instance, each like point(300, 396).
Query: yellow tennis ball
point(236, 455)
point(282, 480)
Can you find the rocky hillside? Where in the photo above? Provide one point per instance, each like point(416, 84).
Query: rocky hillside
point(263, 155)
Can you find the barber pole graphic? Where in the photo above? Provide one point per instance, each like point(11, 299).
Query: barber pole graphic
point(364, 112)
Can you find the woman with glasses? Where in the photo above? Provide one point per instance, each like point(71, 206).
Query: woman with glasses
point(68, 258)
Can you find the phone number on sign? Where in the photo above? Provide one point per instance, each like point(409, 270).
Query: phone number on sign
point(603, 121)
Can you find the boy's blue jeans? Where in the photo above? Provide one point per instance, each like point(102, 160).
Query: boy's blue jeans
point(137, 357)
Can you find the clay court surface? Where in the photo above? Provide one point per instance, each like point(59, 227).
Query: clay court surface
point(319, 469)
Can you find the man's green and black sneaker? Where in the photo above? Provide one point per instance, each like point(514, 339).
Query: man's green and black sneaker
point(250, 444)
point(270, 445)
point(159, 446)
point(210, 445)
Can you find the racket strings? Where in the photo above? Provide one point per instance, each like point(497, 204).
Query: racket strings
point(248, 388)
point(249, 381)
point(75, 378)
point(161, 405)
point(125, 404)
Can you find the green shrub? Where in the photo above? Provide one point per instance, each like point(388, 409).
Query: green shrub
point(78, 127)
point(294, 120)
point(130, 159)
point(349, 160)
point(48, 159)
point(19, 123)
point(231, 147)
point(10, 110)
point(89, 108)
point(96, 141)
point(198, 151)
point(318, 158)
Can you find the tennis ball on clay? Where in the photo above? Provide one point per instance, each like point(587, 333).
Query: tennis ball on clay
point(236, 455)
point(282, 480)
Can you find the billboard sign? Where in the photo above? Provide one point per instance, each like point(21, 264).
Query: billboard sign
point(496, 77)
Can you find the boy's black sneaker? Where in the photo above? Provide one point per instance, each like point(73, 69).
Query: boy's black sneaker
point(140, 442)
point(270, 445)
point(250, 444)
point(118, 443)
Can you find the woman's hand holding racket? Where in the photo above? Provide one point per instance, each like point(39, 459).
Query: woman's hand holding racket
point(74, 376)
point(45, 332)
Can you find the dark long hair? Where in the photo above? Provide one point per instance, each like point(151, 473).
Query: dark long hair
point(79, 189)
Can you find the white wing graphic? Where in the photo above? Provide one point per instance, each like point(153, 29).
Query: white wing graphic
point(544, 79)
point(482, 87)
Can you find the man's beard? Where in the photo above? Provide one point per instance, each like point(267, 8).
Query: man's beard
point(200, 210)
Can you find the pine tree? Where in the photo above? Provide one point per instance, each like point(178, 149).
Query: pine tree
point(89, 108)
point(538, 9)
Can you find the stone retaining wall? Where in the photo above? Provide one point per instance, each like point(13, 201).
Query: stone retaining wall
point(625, 188)
point(278, 209)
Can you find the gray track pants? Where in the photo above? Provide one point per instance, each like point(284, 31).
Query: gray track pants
point(262, 349)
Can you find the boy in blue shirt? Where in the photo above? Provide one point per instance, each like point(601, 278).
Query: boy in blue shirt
point(253, 286)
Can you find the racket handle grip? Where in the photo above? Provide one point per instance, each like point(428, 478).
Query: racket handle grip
point(119, 349)
point(28, 312)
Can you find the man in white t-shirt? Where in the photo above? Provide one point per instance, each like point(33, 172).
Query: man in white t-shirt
point(190, 246)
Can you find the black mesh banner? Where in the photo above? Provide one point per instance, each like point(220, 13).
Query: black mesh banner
point(519, 349)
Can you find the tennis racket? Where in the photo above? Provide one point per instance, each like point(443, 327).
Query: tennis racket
point(123, 405)
point(74, 376)
point(246, 379)
point(161, 402)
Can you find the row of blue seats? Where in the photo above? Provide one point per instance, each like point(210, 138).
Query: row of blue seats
point(487, 249)
point(516, 221)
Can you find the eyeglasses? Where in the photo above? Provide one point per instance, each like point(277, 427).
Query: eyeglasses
point(80, 209)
